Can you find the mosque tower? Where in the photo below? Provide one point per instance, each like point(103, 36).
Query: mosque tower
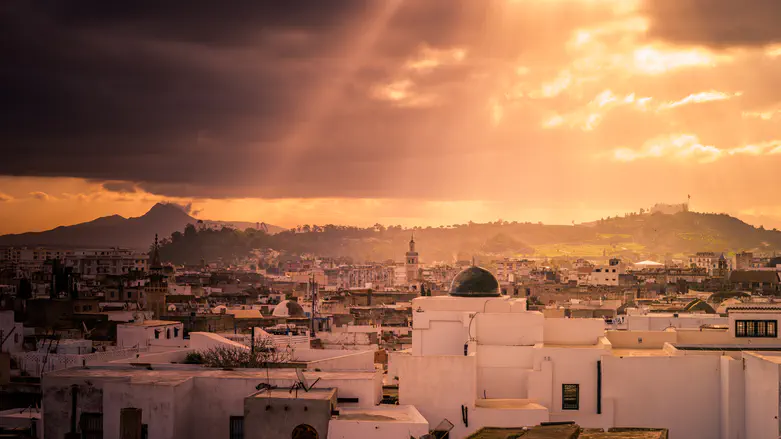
point(412, 262)
point(157, 287)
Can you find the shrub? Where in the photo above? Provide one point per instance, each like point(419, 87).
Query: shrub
point(238, 357)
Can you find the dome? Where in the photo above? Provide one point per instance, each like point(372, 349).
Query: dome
point(475, 282)
point(288, 308)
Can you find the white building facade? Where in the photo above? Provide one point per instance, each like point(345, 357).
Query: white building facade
point(481, 359)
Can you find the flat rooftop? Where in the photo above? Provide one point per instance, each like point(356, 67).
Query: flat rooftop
point(727, 347)
point(770, 357)
point(382, 413)
point(163, 374)
point(574, 346)
point(625, 433)
point(622, 352)
point(567, 431)
point(151, 323)
point(509, 404)
point(312, 394)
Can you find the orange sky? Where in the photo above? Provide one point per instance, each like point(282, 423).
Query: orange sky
point(527, 110)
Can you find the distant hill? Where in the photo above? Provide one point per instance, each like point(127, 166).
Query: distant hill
point(117, 231)
point(633, 237)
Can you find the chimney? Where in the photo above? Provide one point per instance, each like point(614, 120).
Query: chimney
point(130, 423)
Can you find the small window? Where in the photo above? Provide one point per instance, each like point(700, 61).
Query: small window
point(570, 396)
point(236, 427)
point(756, 328)
point(157, 333)
point(168, 333)
point(128, 294)
point(113, 294)
point(305, 431)
point(91, 425)
point(176, 332)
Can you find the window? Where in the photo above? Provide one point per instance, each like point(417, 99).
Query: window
point(91, 425)
point(756, 328)
point(305, 431)
point(157, 333)
point(168, 333)
point(113, 294)
point(236, 427)
point(570, 396)
point(176, 332)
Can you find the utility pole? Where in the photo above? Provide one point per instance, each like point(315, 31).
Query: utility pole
point(313, 287)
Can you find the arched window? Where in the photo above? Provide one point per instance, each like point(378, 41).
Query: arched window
point(304, 431)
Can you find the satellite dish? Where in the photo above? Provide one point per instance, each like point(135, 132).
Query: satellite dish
point(442, 430)
point(87, 332)
point(302, 383)
point(302, 378)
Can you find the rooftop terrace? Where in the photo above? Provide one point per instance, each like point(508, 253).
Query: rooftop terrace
point(568, 431)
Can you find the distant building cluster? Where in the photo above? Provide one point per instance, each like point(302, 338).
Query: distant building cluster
point(117, 343)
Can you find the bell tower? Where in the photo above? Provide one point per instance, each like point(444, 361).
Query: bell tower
point(412, 262)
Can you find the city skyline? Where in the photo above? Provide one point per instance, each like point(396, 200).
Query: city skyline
point(394, 112)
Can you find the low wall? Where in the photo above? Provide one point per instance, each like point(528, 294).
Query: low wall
point(573, 331)
point(39, 363)
point(641, 339)
point(351, 361)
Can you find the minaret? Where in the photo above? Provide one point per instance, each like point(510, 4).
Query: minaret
point(411, 262)
point(157, 287)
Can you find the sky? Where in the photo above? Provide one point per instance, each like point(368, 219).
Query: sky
point(423, 112)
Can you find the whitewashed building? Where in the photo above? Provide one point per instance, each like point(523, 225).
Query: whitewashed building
point(481, 359)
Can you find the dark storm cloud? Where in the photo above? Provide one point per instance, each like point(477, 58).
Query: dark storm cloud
point(193, 99)
point(122, 187)
point(717, 23)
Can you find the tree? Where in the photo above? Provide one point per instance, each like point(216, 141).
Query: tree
point(265, 353)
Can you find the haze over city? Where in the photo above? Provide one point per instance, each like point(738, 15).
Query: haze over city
point(397, 112)
point(390, 219)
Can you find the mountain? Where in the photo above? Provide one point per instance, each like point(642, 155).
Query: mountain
point(115, 230)
point(632, 237)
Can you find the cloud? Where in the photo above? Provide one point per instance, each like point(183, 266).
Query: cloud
point(266, 99)
point(765, 115)
point(5, 198)
point(688, 147)
point(715, 23)
point(41, 196)
point(122, 187)
point(362, 99)
point(697, 98)
point(592, 114)
point(184, 207)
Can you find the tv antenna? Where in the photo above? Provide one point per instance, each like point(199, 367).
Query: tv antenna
point(302, 383)
point(87, 332)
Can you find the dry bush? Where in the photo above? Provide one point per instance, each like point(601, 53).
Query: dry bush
point(236, 357)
